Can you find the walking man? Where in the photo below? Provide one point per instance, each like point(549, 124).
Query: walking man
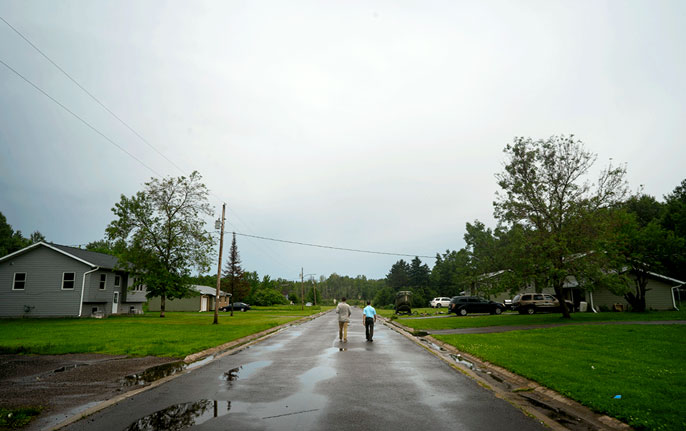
point(343, 311)
point(369, 315)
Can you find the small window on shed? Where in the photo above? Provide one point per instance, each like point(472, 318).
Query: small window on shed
point(117, 281)
point(68, 280)
point(19, 281)
point(103, 281)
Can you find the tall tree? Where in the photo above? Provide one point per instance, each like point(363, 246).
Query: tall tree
point(674, 219)
point(11, 240)
point(164, 234)
point(399, 275)
point(234, 273)
point(546, 191)
point(644, 249)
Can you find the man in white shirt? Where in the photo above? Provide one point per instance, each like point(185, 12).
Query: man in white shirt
point(343, 311)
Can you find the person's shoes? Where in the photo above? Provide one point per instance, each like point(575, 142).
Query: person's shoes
point(371, 341)
point(345, 340)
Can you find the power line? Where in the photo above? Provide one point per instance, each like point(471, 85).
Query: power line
point(26, 39)
point(334, 248)
point(79, 118)
point(91, 95)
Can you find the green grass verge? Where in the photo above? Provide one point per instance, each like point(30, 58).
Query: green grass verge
point(511, 319)
point(592, 364)
point(12, 419)
point(176, 335)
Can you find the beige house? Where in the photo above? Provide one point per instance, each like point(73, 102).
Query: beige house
point(203, 300)
point(662, 293)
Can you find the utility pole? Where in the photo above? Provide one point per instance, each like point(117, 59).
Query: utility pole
point(302, 289)
point(219, 267)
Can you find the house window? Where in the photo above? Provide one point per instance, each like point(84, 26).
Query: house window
point(138, 286)
point(103, 281)
point(68, 280)
point(117, 281)
point(19, 281)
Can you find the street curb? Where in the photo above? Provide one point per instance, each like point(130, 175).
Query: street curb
point(214, 352)
point(551, 408)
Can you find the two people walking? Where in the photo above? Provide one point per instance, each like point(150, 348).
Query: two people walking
point(368, 319)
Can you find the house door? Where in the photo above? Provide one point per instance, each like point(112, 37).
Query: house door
point(203, 303)
point(115, 303)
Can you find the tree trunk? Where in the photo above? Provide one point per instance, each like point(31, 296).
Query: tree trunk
point(638, 300)
point(163, 301)
point(563, 305)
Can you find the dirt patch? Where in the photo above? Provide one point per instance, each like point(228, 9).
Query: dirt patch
point(66, 384)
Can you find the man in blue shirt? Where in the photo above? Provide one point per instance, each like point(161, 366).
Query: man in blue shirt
point(369, 314)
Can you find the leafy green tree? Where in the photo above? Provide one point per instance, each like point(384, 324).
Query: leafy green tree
point(642, 249)
point(267, 296)
point(398, 277)
point(418, 282)
point(384, 297)
point(674, 219)
point(545, 190)
point(11, 240)
point(164, 234)
point(451, 273)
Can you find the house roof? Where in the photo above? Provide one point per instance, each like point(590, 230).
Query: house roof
point(207, 290)
point(90, 258)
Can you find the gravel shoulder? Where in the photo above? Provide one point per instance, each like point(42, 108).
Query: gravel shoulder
point(64, 385)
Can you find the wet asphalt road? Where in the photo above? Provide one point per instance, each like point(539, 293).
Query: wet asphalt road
point(304, 379)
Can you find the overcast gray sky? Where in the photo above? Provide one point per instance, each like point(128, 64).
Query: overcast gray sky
point(373, 125)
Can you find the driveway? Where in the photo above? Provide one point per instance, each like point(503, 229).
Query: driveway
point(303, 378)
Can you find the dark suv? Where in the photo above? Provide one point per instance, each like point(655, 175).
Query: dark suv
point(530, 303)
point(462, 305)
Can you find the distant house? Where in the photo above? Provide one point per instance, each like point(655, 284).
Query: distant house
point(662, 293)
point(201, 300)
point(51, 280)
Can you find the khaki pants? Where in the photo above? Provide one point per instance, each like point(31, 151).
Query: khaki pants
point(343, 331)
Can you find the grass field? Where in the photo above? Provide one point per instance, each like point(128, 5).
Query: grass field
point(176, 335)
point(593, 364)
point(509, 319)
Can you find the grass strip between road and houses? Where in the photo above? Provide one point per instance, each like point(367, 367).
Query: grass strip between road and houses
point(176, 335)
point(513, 319)
point(12, 419)
point(595, 364)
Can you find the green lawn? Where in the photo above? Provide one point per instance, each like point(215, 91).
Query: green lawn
point(593, 364)
point(176, 335)
point(508, 319)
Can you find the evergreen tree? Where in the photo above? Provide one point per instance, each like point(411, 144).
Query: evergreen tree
point(234, 274)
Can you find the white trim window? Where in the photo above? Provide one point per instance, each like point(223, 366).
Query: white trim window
point(68, 280)
point(138, 286)
point(19, 281)
point(117, 280)
point(103, 282)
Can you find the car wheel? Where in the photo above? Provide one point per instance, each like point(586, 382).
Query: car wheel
point(438, 305)
point(463, 311)
point(498, 310)
point(530, 310)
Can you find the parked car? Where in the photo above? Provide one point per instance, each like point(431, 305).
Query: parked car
point(462, 305)
point(530, 303)
point(508, 304)
point(439, 302)
point(236, 306)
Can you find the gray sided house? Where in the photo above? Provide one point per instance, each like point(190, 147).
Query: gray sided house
point(50, 280)
point(662, 293)
point(201, 300)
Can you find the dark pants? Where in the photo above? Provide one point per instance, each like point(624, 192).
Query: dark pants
point(369, 327)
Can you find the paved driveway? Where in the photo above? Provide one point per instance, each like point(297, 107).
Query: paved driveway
point(304, 379)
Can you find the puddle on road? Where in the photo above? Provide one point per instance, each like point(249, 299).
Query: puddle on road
point(200, 362)
point(182, 416)
point(154, 373)
point(244, 371)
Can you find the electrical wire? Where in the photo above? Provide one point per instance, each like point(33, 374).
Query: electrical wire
point(79, 118)
point(333, 247)
point(90, 94)
point(26, 39)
